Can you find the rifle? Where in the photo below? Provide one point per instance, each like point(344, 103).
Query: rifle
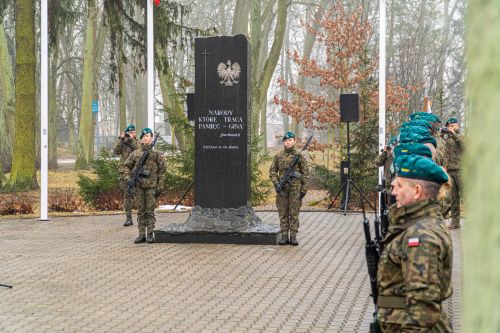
point(289, 173)
point(139, 169)
point(372, 252)
point(384, 209)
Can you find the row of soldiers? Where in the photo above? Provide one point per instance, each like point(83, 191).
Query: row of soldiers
point(414, 270)
point(446, 147)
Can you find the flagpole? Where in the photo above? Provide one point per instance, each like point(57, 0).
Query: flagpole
point(381, 84)
point(150, 63)
point(44, 118)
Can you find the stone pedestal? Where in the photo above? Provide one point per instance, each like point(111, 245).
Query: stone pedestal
point(220, 225)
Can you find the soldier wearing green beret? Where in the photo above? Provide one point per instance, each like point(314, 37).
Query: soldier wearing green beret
point(415, 267)
point(289, 198)
point(452, 164)
point(124, 147)
point(148, 188)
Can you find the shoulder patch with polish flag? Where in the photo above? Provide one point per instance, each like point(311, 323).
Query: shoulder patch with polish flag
point(413, 242)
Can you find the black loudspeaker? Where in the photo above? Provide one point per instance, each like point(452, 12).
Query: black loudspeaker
point(190, 106)
point(349, 107)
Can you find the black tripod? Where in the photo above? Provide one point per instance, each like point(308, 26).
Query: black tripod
point(348, 182)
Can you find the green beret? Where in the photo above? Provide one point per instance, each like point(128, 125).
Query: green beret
point(419, 167)
point(451, 120)
point(146, 131)
point(423, 131)
point(130, 128)
point(412, 149)
point(411, 137)
point(288, 135)
point(418, 122)
point(430, 117)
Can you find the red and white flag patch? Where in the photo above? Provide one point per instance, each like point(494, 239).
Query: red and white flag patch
point(413, 242)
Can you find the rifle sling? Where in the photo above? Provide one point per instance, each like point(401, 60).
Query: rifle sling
point(394, 302)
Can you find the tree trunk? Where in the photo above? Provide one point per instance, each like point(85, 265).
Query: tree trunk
point(240, 19)
point(7, 105)
point(171, 101)
point(260, 86)
point(122, 87)
point(482, 179)
point(23, 174)
point(84, 149)
point(53, 110)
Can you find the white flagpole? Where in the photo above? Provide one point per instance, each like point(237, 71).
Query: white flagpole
point(381, 84)
point(150, 64)
point(44, 118)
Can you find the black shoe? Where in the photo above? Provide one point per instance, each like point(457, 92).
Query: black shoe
point(293, 241)
point(140, 239)
point(283, 241)
point(150, 239)
point(128, 222)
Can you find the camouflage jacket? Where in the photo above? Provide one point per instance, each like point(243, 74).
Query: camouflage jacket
point(155, 164)
point(386, 159)
point(282, 161)
point(124, 147)
point(414, 271)
point(453, 151)
point(440, 155)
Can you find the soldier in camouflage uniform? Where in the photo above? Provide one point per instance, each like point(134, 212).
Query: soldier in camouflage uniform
point(124, 147)
point(290, 201)
point(148, 188)
point(453, 155)
point(385, 159)
point(415, 267)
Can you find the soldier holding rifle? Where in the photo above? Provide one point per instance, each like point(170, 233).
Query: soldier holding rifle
point(415, 266)
point(145, 174)
point(290, 176)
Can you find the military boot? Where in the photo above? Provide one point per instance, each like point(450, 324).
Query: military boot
point(150, 239)
point(284, 238)
point(293, 238)
point(129, 221)
point(140, 239)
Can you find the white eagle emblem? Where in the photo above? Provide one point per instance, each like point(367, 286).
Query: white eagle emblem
point(229, 73)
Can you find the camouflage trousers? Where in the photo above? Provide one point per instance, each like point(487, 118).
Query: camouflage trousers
point(145, 202)
point(288, 210)
point(128, 199)
point(455, 196)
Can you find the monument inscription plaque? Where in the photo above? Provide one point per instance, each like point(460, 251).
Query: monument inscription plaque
point(222, 212)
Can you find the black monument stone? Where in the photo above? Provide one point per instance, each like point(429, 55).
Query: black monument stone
point(222, 212)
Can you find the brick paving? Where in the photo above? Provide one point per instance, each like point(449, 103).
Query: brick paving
point(85, 274)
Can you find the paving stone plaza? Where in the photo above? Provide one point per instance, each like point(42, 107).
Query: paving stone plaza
point(85, 274)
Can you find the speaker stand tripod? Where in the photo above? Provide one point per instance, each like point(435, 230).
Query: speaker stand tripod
point(348, 182)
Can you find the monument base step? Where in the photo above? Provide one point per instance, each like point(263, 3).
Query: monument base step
point(164, 236)
point(220, 226)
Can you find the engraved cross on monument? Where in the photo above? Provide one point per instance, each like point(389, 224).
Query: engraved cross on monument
point(222, 212)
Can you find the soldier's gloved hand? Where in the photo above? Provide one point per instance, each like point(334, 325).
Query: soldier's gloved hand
point(302, 194)
point(277, 187)
point(157, 192)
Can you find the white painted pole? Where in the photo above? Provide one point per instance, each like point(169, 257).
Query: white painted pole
point(150, 64)
point(44, 114)
point(381, 84)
